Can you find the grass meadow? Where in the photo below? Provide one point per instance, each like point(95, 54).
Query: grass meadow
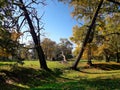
point(102, 76)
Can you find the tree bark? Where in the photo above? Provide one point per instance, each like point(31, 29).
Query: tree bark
point(89, 56)
point(117, 56)
point(39, 50)
point(87, 36)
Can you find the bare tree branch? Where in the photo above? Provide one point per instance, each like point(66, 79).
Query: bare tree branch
point(114, 1)
point(117, 33)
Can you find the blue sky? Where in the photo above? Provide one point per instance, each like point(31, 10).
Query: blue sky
point(57, 20)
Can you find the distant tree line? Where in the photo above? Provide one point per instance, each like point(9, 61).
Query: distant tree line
point(52, 50)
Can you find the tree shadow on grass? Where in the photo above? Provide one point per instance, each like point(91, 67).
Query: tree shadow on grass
point(107, 67)
point(83, 84)
point(1, 64)
point(4, 85)
point(7, 86)
point(103, 66)
point(31, 77)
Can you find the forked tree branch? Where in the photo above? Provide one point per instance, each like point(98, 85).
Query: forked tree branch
point(114, 1)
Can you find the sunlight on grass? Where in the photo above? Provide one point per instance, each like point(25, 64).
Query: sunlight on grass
point(51, 64)
point(6, 65)
point(29, 76)
point(21, 85)
point(31, 64)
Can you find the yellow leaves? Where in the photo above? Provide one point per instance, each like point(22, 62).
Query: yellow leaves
point(78, 34)
point(15, 35)
point(77, 50)
point(100, 28)
point(101, 48)
point(107, 38)
point(3, 52)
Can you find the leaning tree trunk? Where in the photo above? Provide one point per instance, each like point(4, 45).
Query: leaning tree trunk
point(87, 36)
point(89, 55)
point(39, 50)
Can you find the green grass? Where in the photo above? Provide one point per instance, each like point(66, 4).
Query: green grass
point(102, 76)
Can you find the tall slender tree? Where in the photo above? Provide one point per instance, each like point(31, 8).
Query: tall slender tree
point(20, 13)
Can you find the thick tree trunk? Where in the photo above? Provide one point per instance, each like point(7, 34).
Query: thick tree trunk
point(87, 36)
point(89, 56)
point(39, 50)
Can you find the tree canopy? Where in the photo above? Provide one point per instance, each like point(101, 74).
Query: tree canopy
point(94, 14)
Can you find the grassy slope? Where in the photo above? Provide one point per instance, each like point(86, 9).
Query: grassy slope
point(103, 76)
